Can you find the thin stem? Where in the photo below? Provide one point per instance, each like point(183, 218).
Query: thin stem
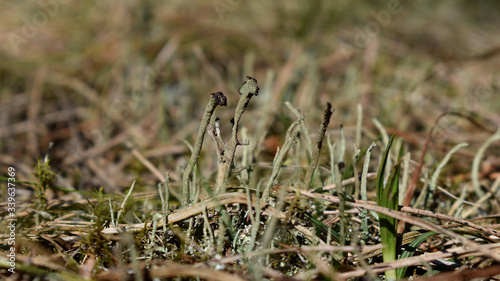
point(317, 148)
point(247, 90)
point(217, 99)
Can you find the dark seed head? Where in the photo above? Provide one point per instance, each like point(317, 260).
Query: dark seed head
point(220, 99)
point(251, 78)
point(341, 165)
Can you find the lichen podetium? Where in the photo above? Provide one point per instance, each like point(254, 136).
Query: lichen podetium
point(216, 99)
point(247, 90)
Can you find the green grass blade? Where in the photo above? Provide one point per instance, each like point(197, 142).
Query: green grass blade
point(410, 251)
point(381, 169)
point(387, 196)
point(323, 228)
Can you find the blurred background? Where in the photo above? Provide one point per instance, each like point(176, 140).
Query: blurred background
point(98, 84)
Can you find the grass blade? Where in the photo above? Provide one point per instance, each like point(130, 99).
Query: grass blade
point(387, 196)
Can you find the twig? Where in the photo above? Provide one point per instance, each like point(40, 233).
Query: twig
point(304, 249)
point(196, 209)
point(400, 215)
point(346, 182)
point(490, 193)
point(451, 253)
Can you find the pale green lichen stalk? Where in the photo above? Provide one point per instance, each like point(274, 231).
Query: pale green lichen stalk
point(247, 90)
point(217, 99)
point(317, 148)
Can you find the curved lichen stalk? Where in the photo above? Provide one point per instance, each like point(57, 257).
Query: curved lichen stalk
point(247, 90)
point(217, 99)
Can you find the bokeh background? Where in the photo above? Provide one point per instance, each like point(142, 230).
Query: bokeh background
point(90, 83)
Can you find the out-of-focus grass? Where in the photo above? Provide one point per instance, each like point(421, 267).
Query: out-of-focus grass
point(105, 82)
